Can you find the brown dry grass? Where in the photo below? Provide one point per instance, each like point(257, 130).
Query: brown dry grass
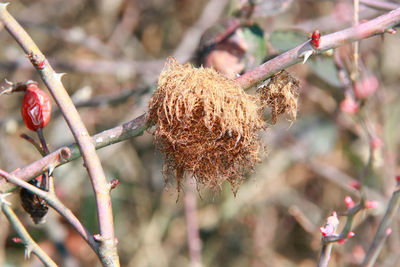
point(206, 125)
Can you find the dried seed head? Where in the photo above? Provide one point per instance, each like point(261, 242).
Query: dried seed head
point(206, 125)
point(280, 94)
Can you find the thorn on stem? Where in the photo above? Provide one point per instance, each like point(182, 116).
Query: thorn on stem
point(17, 240)
point(3, 199)
point(51, 168)
point(113, 184)
point(98, 238)
point(306, 54)
point(58, 76)
point(3, 5)
point(65, 154)
point(391, 31)
point(28, 252)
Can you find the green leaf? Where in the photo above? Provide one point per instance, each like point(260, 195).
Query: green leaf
point(315, 133)
point(283, 40)
point(324, 67)
point(257, 49)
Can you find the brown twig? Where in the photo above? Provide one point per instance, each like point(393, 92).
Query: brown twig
point(34, 143)
point(192, 227)
point(251, 78)
point(351, 213)
point(30, 244)
point(381, 233)
point(108, 251)
point(364, 30)
point(66, 154)
point(56, 204)
point(382, 5)
point(332, 223)
point(330, 228)
point(43, 142)
point(209, 16)
point(354, 73)
point(257, 75)
point(325, 255)
point(95, 101)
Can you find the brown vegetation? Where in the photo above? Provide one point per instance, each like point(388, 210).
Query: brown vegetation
point(206, 125)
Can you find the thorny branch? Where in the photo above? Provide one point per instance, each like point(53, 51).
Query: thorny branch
point(361, 31)
point(137, 126)
point(383, 5)
point(66, 154)
point(108, 251)
point(382, 232)
point(51, 198)
point(26, 239)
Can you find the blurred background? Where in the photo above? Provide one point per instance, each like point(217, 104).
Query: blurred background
point(346, 132)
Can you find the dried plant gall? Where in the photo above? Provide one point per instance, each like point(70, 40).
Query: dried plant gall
point(33, 204)
point(206, 125)
point(280, 95)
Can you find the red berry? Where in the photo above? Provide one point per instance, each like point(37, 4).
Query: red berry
point(16, 239)
point(388, 231)
point(349, 202)
point(36, 107)
point(349, 106)
point(350, 234)
point(316, 38)
point(370, 204)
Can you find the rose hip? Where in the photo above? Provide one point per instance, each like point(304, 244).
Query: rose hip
point(36, 107)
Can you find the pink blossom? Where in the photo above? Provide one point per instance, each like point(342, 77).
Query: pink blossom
point(370, 204)
point(376, 143)
point(348, 105)
point(330, 227)
point(349, 202)
point(355, 184)
point(350, 234)
point(388, 231)
point(366, 87)
point(16, 239)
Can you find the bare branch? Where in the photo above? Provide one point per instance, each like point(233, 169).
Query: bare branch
point(383, 5)
point(30, 244)
point(192, 227)
point(63, 155)
point(108, 250)
point(381, 233)
point(56, 204)
point(364, 30)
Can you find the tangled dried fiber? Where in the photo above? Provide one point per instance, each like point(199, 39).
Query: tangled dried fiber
point(206, 125)
point(280, 94)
